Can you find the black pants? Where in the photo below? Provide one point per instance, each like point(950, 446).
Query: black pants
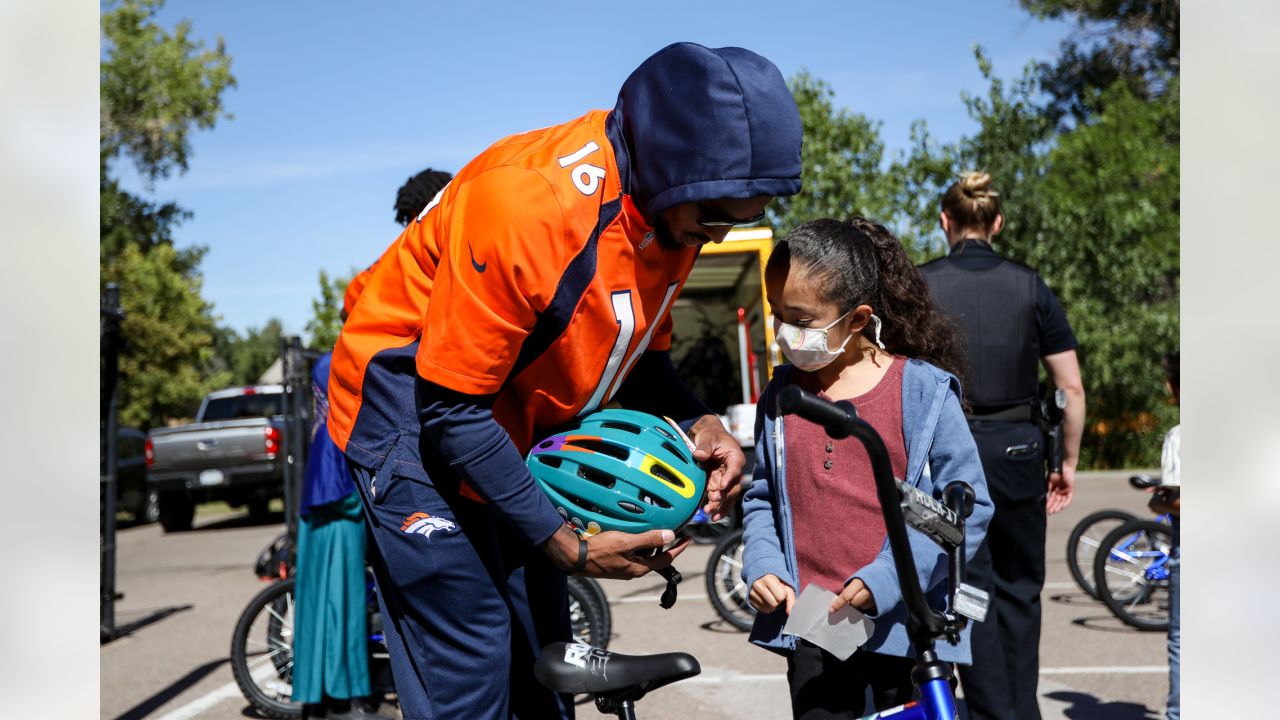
point(824, 688)
point(1009, 565)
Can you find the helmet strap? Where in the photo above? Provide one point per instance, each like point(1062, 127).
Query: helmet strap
point(669, 595)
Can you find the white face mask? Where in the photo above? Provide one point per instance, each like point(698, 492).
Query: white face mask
point(807, 348)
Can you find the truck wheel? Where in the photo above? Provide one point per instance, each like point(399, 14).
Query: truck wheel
point(176, 512)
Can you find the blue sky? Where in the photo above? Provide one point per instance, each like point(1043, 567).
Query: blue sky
point(337, 104)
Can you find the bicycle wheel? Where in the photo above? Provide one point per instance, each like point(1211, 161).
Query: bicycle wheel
point(262, 652)
point(589, 614)
point(725, 587)
point(1083, 542)
point(1130, 569)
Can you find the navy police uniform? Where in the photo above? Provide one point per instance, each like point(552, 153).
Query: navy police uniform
point(1011, 320)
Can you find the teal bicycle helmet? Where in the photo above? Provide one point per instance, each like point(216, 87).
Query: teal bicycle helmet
point(619, 470)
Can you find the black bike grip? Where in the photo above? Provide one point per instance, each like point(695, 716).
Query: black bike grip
point(837, 418)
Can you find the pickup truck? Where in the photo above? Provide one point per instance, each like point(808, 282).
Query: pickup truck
point(234, 452)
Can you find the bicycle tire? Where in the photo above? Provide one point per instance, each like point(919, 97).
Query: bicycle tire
point(267, 687)
point(589, 615)
point(1083, 543)
point(726, 589)
point(1127, 573)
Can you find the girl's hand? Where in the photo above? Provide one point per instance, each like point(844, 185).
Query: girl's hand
point(769, 593)
point(857, 595)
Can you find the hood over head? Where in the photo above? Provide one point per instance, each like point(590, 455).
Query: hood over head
point(706, 123)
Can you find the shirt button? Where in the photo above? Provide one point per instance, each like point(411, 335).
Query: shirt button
point(826, 465)
point(831, 447)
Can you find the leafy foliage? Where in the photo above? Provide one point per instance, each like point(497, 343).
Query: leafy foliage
point(155, 88)
point(840, 164)
point(326, 312)
point(167, 364)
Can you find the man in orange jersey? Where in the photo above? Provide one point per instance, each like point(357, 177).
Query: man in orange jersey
point(537, 287)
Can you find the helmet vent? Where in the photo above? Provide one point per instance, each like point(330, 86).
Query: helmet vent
point(583, 505)
point(602, 447)
point(662, 473)
point(550, 460)
point(631, 507)
point(674, 451)
point(625, 427)
point(655, 501)
point(664, 431)
point(595, 476)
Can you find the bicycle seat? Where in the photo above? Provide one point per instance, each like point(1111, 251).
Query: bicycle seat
point(580, 668)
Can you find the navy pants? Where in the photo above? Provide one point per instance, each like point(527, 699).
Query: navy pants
point(466, 605)
point(1003, 680)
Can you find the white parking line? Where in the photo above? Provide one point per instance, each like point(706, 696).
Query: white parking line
point(201, 704)
point(230, 691)
point(1108, 670)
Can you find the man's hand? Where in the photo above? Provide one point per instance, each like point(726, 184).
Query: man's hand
point(1061, 487)
point(717, 451)
point(855, 594)
point(614, 554)
point(769, 593)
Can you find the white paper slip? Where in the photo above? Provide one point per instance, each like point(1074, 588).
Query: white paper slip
point(839, 633)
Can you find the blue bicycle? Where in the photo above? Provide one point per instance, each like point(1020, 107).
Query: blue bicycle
point(1131, 567)
point(618, 681)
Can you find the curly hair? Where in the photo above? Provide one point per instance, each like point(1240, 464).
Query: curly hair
point(416, 192)
point(858, 262)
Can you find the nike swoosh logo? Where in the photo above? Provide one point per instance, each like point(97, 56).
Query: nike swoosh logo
point(478, 266)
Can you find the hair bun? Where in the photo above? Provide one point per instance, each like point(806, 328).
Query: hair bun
point(976, 184)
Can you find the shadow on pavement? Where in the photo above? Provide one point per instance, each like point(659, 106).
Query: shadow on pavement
point(155, 616)
point(155, 702)
point(241, 521)
point(1082, 706)
point(1080, 598)
point(722, 627)
point(1105, 623)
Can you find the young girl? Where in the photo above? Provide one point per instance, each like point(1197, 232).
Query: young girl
point(853, 316)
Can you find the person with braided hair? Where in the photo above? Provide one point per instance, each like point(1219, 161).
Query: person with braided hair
point(1012, 324)
point(417, 192)
point(853, 317)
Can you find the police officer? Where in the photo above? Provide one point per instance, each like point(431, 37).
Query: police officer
point(1012, 323)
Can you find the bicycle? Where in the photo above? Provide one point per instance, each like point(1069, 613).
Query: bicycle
point(1082, 545)
point(262, 641)
point(726, 589)
point(1131, 568)
point(620, 681)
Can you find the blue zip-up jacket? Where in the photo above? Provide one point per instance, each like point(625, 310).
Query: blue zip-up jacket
point(940, 449)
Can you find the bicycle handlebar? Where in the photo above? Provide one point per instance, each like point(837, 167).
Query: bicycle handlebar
point(840, 420)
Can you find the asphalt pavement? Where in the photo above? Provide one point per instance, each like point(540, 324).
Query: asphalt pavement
point(184, 592)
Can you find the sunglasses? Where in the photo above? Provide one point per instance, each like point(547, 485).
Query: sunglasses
point(710, 217)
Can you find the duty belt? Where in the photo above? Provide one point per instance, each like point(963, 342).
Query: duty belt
point(1003, 413)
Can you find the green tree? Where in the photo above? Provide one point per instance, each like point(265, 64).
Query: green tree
point(840, 164)
point(245, 358)
point(326, 312)
point(1135, 42)
point(155, 88)
point(166, 366)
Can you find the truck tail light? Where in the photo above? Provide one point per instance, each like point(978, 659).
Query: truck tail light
point(272, 440)
point(149, 452)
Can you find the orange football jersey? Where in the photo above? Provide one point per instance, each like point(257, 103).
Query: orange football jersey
point(530, 277)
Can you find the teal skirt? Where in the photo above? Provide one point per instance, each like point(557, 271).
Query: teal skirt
point(331, 641)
